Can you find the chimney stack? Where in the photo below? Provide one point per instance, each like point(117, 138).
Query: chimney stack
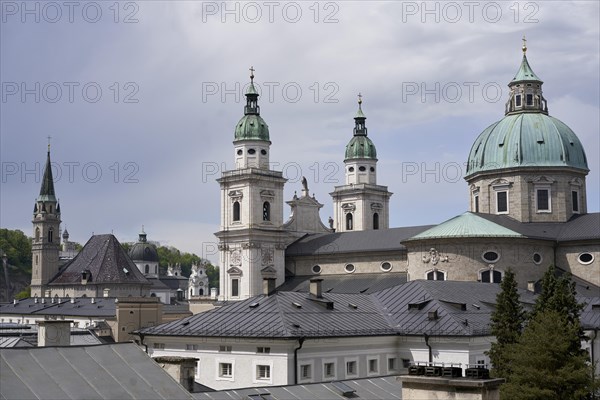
point(54, 333)
point(316, 287)
point(182, 369)
point(268, 286)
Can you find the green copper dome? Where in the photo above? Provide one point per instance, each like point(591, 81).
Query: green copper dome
point(251, 127)
point(360, 147)
point(526, 140)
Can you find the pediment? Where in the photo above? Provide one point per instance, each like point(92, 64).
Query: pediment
point(234, 271)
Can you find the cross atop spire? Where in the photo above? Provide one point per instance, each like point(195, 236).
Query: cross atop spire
point(359, 119)
point(49, 137)
point(359, 99)
point(251, 73)
point(524, 48)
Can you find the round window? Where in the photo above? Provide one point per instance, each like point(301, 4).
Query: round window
point(263, 152)
point(386, 266)
point(585, 258)
point(240, 152)
point(349, 268)
point(537, 258)
point(362, 168)
point(351, 169)
point(372, 169)
point(490, 256)
point(251, 151)
point(316, 269)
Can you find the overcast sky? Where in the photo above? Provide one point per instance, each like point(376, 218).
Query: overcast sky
point(141, 100)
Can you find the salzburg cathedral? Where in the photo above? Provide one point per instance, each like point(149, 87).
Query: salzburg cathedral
point(527, 209)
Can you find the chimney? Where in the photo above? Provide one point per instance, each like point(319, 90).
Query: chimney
point(531, 286)
point(54, 333)
point(268, 286)
point(316, 287)
point(106, 292)
point(182, 369)
point(213, 293)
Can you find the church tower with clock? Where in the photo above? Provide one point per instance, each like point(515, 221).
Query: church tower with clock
point(252, 240)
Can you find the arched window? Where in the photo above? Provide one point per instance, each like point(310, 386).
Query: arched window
point(436, 276)
point(376, 221)
point(236, 211)
point(37, 234)
point(349, 225)
point(266, 211)
point(490, 276)
point(50, 235)
point(201, 292)
point(147, 269)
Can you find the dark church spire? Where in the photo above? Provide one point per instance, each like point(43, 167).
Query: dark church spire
point(47, 189)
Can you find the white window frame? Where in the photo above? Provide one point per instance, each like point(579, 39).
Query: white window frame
point(437, 270)
point(497, 191)
point(311, 365)
point(218, 375)
point(549, 189)
point(328, 361)
point(576, 190)
point(255, 368)
point(356, 372)
point(481, 271)
point(387, 363)
point(376, 359)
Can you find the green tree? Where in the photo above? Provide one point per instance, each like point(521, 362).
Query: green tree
point(507, 324)
point(17, 247)
point(544, 367)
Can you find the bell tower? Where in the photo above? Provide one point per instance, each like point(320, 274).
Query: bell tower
point(361, 204)
point(251, 240)
point(45, 247)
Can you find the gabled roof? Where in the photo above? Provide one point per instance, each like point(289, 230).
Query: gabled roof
point(80, 306)
point(461, 309)
point(388, 387)
point(107, 262)
point(115, 371)
point(467, 225)
point(350, 242)
point(346, 283)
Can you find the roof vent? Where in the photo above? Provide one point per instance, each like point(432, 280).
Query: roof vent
point(296, 326)
point(297, 305)
point(126, 271)
point(93, 301)
point(344, 389)
point(352, 305)
point(432, 315)
point(35, 300)
point(73, 300)
point(476, 306)
point(43, 300)
point(253, 305)
point(15, 301)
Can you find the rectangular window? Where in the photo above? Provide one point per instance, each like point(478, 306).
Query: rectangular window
point(225, 370)
point(529, 98)
point(575, 200)
point(225, 349)
point(263, 372)
point(191, 347)
point(305, 371)
point(373, 366)
point(476, 201)
point(235, 287)
point(329, 370)
point(518, 100)
point(351, 368)
point(392, 364)
point(502, 202)
point(159, 345)
point(405, 362)
point(543, 199)
point(263, 350)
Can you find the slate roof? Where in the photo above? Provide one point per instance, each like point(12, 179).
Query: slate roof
point(388, 387)
point(115, 371)
point(353, 242)
point(590, 316)
point(346, 283)
point(104, 257)
point(463, 309)
point(81, 306)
